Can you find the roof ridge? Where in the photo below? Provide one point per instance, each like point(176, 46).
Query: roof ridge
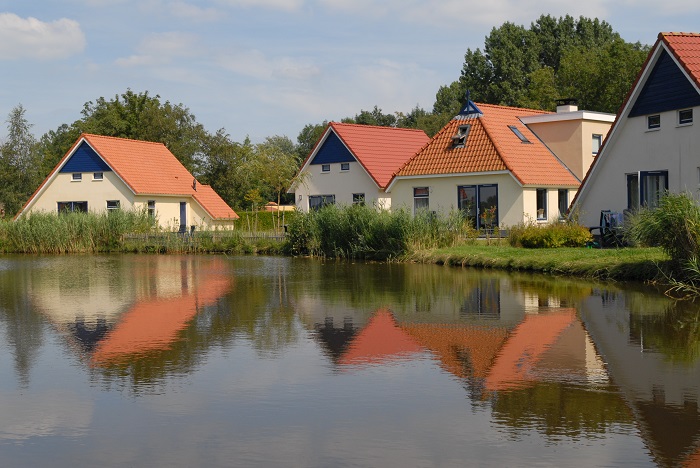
point(334, 124)
point(678, 33)
point(84, 135)
point(498, 106)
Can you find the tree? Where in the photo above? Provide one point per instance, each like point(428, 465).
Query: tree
point(307, 139)
point(19, 162)
point(373, 117)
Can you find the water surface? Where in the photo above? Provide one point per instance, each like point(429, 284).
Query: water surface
point(257, 361)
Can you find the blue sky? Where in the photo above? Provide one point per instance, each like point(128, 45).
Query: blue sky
point(268, 67)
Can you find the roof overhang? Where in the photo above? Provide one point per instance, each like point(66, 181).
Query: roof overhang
point(601, 117)
point(445, 176)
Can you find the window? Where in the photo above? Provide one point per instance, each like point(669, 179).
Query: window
point(77, 177)
point(316, 202)
point(344, 166)
point(113, 205)
point(685, 117)
point(97, 176)
point(325, 168)
point(646, 188)
point(479, 204)
point(358, 199)
point(519, 134)
point(421, 198)
point(72, 207)
point(152, 208)
point(541, 204)
point(460, 139)
point(597, 141)
point(653, 121)
point(563, 202)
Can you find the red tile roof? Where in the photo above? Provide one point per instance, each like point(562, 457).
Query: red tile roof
point(492, 146)
point(149, 168)
point(380, 150)
point(686, 48)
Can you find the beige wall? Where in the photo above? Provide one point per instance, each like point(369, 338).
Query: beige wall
point(635, 148)
point(342, 184)
point(96, 193)
point(516, 204)
point(571, 141)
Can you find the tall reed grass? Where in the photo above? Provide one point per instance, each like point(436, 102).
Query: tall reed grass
point(364, 232)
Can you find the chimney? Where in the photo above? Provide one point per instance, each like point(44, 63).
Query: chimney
point(567, 105)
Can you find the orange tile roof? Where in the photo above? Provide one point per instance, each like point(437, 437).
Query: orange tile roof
point(149, 168)
point(380, 150)
point(492, 146)
point(686, 48)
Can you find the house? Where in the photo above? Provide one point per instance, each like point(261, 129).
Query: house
point(102, 173)
point(489, 164)
point(653, 144)
point(353, 164)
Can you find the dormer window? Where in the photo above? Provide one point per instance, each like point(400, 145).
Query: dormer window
point(460, 139)
point(519, 134)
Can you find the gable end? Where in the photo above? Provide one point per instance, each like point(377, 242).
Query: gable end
point(85, 159)
point(332, 151)
point(666, 89)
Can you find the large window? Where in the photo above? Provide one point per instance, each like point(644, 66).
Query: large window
point(563, 202)
point(479, 204)
point(316, 202)
point(541, 204)
point(646, 188)
point(421, 198)
point(72, 206)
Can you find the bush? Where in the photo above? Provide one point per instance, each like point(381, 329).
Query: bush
point(552, 235)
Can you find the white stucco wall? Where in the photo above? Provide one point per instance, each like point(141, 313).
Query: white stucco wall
point(342, 184)
point(634, 148)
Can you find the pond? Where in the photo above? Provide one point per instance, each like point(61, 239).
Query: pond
point(130, 360)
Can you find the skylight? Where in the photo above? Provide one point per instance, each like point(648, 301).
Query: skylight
point(519, 134)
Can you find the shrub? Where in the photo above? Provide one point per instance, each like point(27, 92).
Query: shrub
point(530, 235)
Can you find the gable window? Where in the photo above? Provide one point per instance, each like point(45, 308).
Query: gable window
point(460, 139)
point(316, 202)
point(77, 177)
point(344, 166)
point(113, 205)
point(519, 134)
point(541, 204)
point(653, 121)
point(563, 202)
point(97, 176)
point(325, 168)
point(685, 117)
point(421, 198)
point(152, 208)
point(596, 142)
point(358, 199)
point(72, 207)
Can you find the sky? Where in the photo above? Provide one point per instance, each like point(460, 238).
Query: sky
point(259, 68)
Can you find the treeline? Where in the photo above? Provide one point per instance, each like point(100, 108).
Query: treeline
point(518, 66)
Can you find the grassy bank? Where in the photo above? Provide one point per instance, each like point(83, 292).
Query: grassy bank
point(628, 264)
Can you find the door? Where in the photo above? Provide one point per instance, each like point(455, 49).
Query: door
point(479, 203)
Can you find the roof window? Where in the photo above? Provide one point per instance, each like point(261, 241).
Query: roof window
point(460, 139)
point(519, 134)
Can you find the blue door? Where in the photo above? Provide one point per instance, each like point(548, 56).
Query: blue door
point(183, 216)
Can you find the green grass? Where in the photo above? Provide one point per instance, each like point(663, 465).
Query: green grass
point(633, 264)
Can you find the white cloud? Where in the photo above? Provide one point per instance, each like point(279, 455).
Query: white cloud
point(35, 39)
point(160, 49)
point(256, 65)
point(286, 5)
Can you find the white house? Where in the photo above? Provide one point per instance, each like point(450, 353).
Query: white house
point(102, 173)
point(353, 164)
point(654, 144)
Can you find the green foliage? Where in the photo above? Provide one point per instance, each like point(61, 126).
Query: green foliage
point(548, 236)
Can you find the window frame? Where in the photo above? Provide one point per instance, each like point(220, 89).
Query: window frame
point(324, 201)
point(419, 195)
point(542, 207)
point(72, 207)
point(358, 199)
point(519, 134)
point(345, 167)
point(76, 177)
point(325, 168)
point(116, 205)
point(687, 120)
point(565, 205)
point(98, 176)
point(654, 122)
point(460, 139)
point(151, 208)
point(596, 140)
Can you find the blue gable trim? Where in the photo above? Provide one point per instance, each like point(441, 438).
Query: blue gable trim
point(332, 151)
point(84, 159)
point(666, 89)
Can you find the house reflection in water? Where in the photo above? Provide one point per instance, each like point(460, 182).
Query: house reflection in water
point(129, 312)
